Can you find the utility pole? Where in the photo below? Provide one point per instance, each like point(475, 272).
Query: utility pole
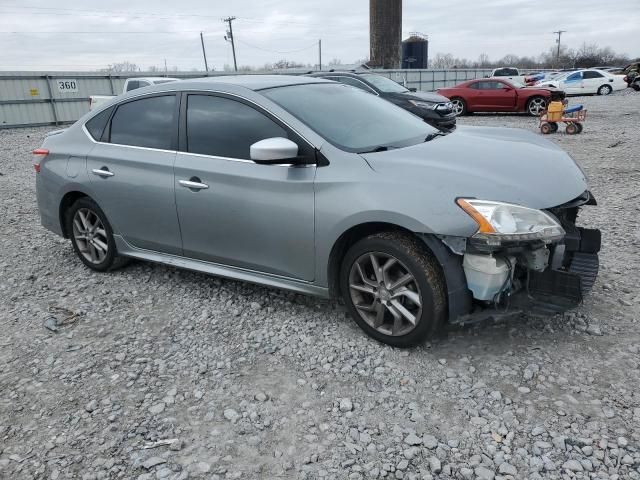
point(165, 66)
point(320, 54)
point(230, 37)
point(559, 33)
point(204, 53)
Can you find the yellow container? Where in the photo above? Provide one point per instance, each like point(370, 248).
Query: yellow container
point(554, 111)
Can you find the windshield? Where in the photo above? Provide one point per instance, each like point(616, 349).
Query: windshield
point(384, 84)
point(349, 118)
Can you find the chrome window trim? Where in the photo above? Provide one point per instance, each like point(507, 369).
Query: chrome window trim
point(93, 140)
point(369, 89)
point(200, 92)
point(243, 160)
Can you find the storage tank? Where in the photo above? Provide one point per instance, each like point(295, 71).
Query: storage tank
point(385, 33)
point(415, 51)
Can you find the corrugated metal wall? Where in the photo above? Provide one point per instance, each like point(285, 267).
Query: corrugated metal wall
point(36, 98)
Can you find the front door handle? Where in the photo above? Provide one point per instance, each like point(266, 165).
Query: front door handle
point(194, 183)
point(103, 172)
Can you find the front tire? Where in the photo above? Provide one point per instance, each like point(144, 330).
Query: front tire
point(605, 90)
point(91, 236)
point(459, 106)
point(393, 288)
point(536, 106)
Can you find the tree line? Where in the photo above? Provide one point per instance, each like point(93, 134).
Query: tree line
point(588, 55)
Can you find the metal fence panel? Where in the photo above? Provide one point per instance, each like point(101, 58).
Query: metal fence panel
point(52, 98)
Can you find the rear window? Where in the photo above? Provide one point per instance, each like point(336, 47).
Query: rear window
point(148, 122)
point(96, 125)
point(506, 72)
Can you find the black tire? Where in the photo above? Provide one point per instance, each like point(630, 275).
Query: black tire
point(415, 258)
point(529, 106)
point(571, 129)
point(636, 86)
point(605, 90)
point(554, 127)
point(111, 260)
point(579, 126)
point(463, 106)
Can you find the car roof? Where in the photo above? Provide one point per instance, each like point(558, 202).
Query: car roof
point(231, 83)
point(329, 73)
point(254, 82)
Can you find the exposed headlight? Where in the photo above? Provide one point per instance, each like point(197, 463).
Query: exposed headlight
point(498, 222)
point(423, 104)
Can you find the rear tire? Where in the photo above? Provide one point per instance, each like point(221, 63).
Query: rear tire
point(605, 90)
point(459, 106)
point(400, 303)
point(546, 128)
point(571, 129)
point(92, 236)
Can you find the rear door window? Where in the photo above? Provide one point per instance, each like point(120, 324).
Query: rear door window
point(592, 75)
point(222, 127)
point(148, 122)
point(96, 125)
point(132, 85)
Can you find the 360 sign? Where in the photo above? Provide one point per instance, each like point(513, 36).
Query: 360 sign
point(67, 86)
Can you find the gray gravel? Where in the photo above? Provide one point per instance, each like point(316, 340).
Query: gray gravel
point(158, 373)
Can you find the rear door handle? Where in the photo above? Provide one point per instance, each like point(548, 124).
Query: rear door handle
point(194, 184)
point(103, 172)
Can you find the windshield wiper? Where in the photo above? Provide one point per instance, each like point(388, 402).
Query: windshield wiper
point(381, 148)
point(431, 136)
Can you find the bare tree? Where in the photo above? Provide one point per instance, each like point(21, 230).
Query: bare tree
point(484, 61)
point(122, 67)
point(443, 60)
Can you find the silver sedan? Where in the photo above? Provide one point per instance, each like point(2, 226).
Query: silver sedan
point(317, 187)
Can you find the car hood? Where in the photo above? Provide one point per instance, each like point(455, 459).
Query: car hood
point(500, 164)
point(419, 96)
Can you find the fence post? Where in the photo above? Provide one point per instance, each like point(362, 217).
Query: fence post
point(113, 90)
point(51, 99)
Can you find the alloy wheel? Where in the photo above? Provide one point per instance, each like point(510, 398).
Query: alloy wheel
point(604, 90)
point(458, 106)
point(385, 293)
point(537, 106)
point(90, 235)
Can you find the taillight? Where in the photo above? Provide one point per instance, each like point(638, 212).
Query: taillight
point(38, 156)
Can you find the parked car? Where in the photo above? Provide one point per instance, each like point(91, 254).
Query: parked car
point(309, 185)
point(586, 82)
point(129, 84)
point(434, 109)
point(495, 95)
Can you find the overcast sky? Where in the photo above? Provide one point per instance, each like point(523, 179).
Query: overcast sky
point(89, 34)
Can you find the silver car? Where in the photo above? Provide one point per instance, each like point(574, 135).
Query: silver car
point(317, 187)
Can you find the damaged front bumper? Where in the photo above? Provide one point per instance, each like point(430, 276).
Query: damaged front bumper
point(532, 277)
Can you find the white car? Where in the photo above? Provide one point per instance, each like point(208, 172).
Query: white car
point(130, 84)
point(586, 82)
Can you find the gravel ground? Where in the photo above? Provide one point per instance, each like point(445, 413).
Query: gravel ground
point(159, 373)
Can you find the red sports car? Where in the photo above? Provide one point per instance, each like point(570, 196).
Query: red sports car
point(496, 95)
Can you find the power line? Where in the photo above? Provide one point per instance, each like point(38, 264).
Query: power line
point(91, 33)
point(314, 44)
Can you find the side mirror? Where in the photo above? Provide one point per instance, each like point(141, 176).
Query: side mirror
point(413, 89)
point(275, 150)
